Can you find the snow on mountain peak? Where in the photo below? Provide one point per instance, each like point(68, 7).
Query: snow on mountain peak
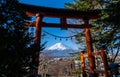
point(58, 46)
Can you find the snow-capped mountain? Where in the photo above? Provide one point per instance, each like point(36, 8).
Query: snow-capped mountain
point(58, 50)
point(58, 46)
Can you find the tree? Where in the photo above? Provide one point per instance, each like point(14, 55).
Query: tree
point(16, 43)
point(106, 27)
point(109, 22)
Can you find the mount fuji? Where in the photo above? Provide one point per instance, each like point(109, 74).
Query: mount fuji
point(59, 50)
point(58, 46)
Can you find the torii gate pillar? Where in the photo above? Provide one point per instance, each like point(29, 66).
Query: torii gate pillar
point(38, 26)
point(89, 46)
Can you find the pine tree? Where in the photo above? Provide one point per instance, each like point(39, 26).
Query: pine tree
point(105, 30)
point(16, 43)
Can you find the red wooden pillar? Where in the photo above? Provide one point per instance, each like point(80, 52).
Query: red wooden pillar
point(89, 47)
point(82, 61)
point(38, 40)
point(104, 59)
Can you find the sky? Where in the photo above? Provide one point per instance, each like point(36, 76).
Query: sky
point(56, 31)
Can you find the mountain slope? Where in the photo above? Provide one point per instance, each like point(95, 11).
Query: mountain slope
point(58, 46)
point(58, 50)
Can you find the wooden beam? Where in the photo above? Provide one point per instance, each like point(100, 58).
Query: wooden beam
point(96, 53)
point(31, 10)
point(30, 24)
point(57, 25)
point(85, 55)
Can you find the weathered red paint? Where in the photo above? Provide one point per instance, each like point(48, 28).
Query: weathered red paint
point(104, 59)
point(31, 10)
point(82, 61)
point(89, 47)
point(38, 40)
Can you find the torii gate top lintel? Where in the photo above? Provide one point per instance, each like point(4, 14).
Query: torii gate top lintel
point(31, 10)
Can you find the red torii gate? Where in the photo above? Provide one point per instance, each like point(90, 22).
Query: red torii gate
point(63, 14)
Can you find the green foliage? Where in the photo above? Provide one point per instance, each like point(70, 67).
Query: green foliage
point(16, 43)
point(105, 30)
point(79, 5)
point(111, 25)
